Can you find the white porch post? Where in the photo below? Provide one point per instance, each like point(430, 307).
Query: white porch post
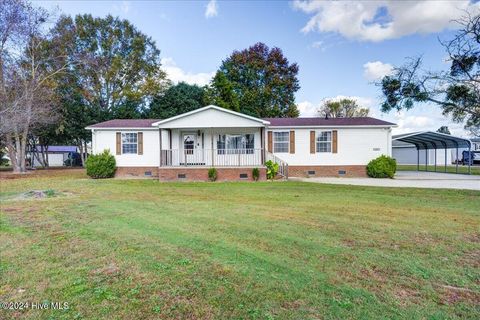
point(213, 153)
point(160, 137)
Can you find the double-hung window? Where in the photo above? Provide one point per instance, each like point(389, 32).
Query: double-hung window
point(235, 143)
point(129, 142)
point(324, 141)
point(281, 141)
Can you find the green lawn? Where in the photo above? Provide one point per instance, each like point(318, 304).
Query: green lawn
point(140, 249)
point(440, 168)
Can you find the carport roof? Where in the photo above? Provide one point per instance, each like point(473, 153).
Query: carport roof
point(433, 140)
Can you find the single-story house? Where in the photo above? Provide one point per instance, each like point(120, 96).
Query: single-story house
point(56, 155)
point(187, 145)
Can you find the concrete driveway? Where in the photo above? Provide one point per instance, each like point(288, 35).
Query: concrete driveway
point(409, 179)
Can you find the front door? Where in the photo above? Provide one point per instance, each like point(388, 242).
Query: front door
point(189, 153)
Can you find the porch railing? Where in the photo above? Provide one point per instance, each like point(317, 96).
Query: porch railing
point(211, 157)
point(282, 165)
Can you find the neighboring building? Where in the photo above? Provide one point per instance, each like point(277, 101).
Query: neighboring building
point(56, 155)
point(475, 144)
point(406, 153)
point(185, 146)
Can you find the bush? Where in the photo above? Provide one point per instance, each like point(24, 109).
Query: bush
point(100, 166)
point(212, 174)
point(255, 174)
point(382, 167)
point(272, 169)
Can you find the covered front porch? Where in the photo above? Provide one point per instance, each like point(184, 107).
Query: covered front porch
point(212, 147)
point(212, 137)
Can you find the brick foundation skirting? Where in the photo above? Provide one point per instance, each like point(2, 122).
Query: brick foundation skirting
point(201, 174)
point(233, 174)
point(141, 172)
point(327, 171)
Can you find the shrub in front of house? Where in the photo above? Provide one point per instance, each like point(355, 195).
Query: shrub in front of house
point(101, 166)
point(382, 167)
point(212, 174)
point(255, 174)
point(272, 169)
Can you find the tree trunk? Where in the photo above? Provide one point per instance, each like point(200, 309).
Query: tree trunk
point(16, 151)
point(12, 153)
point(86, 151)
point(39, 155)
point(45, 156)
point(80, 148)
point(23, 148)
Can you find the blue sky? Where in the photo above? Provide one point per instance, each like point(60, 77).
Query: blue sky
point(340, 47)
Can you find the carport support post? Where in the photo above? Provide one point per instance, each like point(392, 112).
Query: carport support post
point(456, 166)
point(469, 159)
point(426, 159)
point(445, 159)
point(435, 158)
point(418, 159)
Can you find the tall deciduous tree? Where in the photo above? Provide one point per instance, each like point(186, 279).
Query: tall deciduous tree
point(444, 130)
point(177, 99)
point(29, 62)
point(262, 80)
point(119, 64)
point(456, 91)
point(221, 92)
point(114, 73)
point(343, 108)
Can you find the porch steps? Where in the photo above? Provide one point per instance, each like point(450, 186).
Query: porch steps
point(282, 165)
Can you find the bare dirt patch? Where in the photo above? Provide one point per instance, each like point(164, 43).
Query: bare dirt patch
point(452, 295)
point(57, 172)
point(36, 195)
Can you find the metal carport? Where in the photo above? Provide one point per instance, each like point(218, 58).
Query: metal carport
point(427, 140)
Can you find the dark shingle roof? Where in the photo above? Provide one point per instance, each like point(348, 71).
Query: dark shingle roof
point(321, 121)
point(125, 123)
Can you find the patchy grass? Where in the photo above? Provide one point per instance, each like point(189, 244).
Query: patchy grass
point(440, 168)
point(140, 249)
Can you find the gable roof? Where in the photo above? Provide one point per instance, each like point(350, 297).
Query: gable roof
point(321, 121)
point(209, 107)
point(124, 123)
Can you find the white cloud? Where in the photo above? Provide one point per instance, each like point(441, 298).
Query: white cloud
point(382, 20)
point(211, 9)
point(123, 7)
point(177, 74)
point(425, 118)
point(307, 109)
point(376, 70)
